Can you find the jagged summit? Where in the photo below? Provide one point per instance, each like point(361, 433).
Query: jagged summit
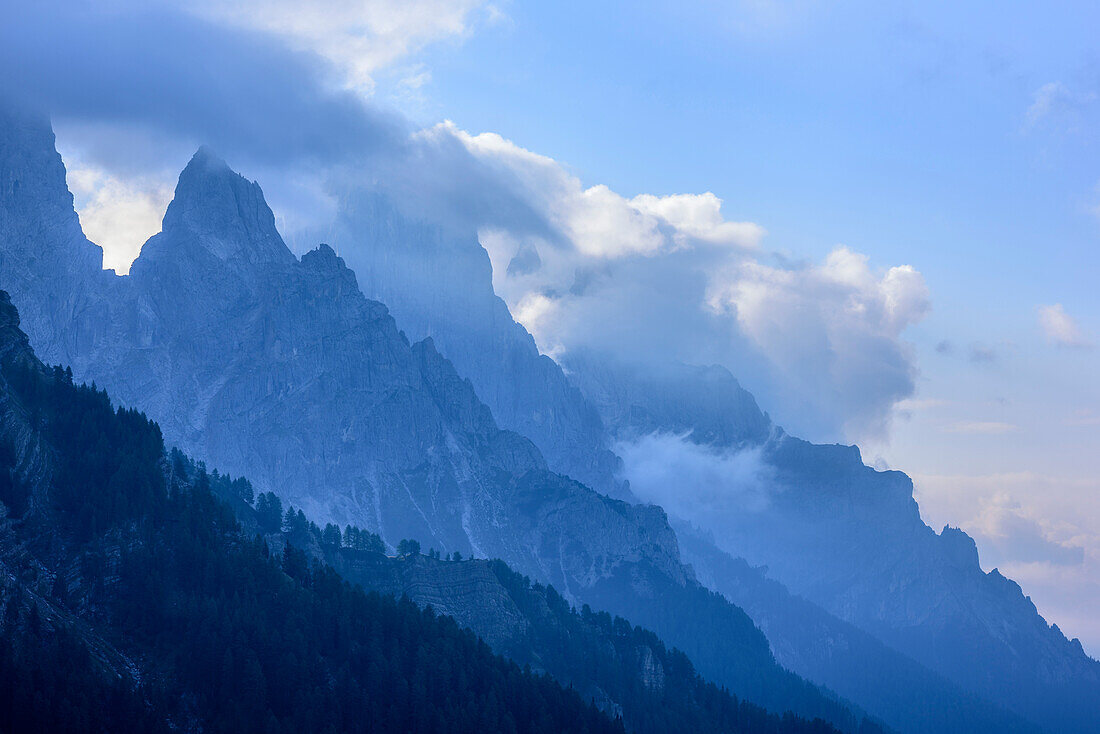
point(36, 207)
point(206, 156)
point(47, 264)
point(286, 372)
point(222, 212)
point(324, 256)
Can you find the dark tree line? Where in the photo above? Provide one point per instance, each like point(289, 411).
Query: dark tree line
point(593, 648)
point(230, 635)
point(234, 637)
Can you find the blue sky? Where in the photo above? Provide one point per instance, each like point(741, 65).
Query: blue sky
point(905, 253)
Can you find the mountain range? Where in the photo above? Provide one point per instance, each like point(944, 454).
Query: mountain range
point(142, 593)
point(440, 421)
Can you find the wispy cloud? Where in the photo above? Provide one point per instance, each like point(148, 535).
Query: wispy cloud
point(913, 404)
point(981, 354)
point(359, 37)
point(1055, 101)
point(1060, 328)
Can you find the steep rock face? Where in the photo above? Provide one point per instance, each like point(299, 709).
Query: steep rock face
point(133, 602)
point(20, 444)
point(281, 370)
point(706, 402)
point(46, 260)
point(439, 285)
point(837, 654)
point(223, 213)
point(850, 539)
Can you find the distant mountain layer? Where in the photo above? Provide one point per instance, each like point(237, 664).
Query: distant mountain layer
point(281, 370)
point(846, 537)
point(851, 539)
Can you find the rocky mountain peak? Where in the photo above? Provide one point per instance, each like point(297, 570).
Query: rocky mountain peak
point(224, 213)
point(35, 202)
point(323, 258)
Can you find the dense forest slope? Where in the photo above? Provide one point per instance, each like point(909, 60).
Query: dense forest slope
point(626, 670)
point(133, 600)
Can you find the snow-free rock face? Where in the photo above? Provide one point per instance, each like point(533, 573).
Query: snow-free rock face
point(440, 284)
point(283, 371)
point(842, 657)
point(222, 212)
point(851, 539)
point(706, 402)
point(46, 258)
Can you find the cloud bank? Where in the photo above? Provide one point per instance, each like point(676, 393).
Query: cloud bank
point(358, 37)
point(670, 277)
point(280, 91)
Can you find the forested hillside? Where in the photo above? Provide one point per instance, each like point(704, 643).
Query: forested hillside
point(627, 670)
point(121, 560)
point(171, 619)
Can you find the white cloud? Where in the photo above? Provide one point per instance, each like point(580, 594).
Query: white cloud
point(700, 484)
point(358, 36)
point(699, 217)
point(1060, 328)
point(669, 277)
point(1054, 100)
point(653, 276)
point(118, 214)
point(598, 222)
point(838, 323)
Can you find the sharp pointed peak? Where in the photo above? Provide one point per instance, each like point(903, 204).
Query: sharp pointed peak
point(205, 164)
point(224, 212)
point(208, 158)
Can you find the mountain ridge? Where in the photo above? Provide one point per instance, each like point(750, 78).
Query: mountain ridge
point(270, 362)
point(289, 375)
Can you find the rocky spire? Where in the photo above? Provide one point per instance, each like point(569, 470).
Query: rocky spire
point(221, 212)
point(36, 207)
point(49, 267)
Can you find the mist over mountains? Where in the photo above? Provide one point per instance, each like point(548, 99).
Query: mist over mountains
point(396, 393)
